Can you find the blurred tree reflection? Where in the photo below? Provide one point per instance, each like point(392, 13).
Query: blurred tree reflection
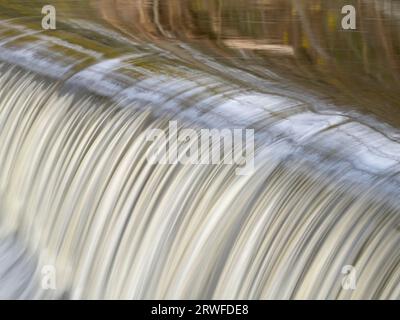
point(302, 39)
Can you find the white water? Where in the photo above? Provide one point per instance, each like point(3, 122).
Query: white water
point(77, 192)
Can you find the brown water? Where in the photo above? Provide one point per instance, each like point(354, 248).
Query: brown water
point(301, 41)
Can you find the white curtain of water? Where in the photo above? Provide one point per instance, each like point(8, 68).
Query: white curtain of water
point(78, 193)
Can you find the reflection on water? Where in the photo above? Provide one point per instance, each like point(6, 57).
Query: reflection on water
point(300, 39)
point(76, 191)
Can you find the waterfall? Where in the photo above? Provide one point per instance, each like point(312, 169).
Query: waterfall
point(78, 193)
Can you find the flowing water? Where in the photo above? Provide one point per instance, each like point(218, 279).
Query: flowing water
point(78, 195)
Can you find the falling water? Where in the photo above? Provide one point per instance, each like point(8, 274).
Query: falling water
point(78, 193)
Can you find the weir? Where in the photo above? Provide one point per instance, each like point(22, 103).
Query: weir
point(78, 193)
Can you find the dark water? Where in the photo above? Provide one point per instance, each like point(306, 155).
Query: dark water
point(302, 41)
